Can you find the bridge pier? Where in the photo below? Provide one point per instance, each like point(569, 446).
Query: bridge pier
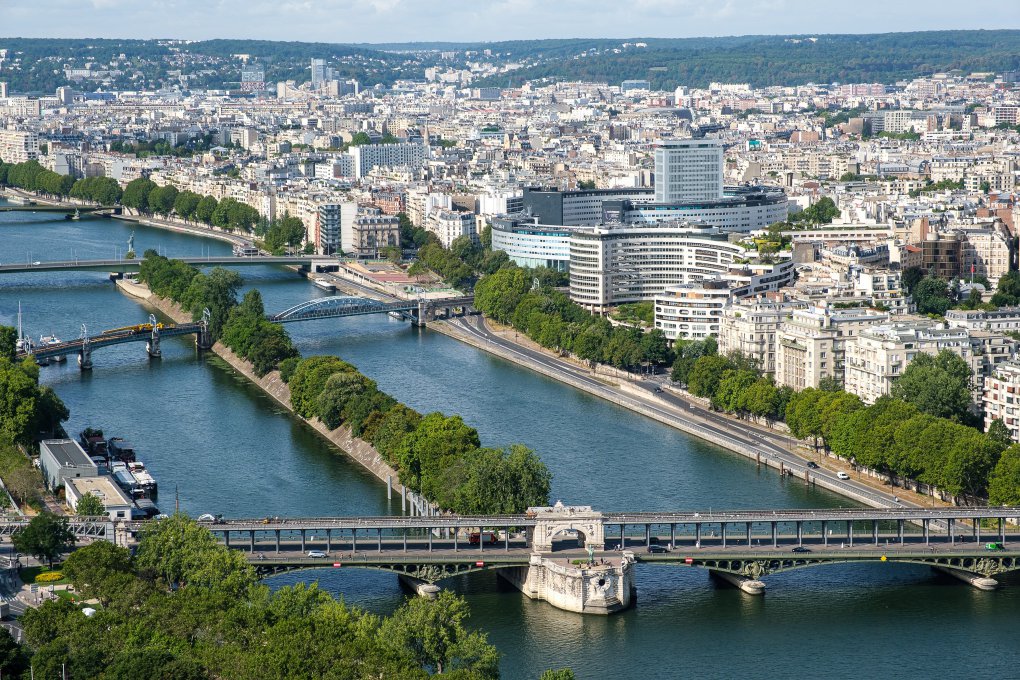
point(976, 580)
point(85, 358)
point(277, 541)
point(747, 585)
point(584, 589)
point(429, 591)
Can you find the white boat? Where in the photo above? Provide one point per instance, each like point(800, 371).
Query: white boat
point(324, 284)
point(50, 340)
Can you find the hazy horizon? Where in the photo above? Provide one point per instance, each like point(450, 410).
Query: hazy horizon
point(369, 22)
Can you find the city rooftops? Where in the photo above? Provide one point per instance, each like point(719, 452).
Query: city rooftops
point(102, 487)
point(67, 453)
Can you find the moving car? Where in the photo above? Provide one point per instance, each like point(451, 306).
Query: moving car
point(812, 464)
point(316, 553)
point(475, 538)
point(657, 549)
point(994, 546)
point(842, 475)
point(801, 549)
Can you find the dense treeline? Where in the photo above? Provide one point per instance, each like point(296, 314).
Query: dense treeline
point(31, 176)
point(436, 455)
point(917, 433)
point(241, 327)
point(183, 607)
point(551, 319)
point(26, 408)
point(777, 60)
point(145, 196)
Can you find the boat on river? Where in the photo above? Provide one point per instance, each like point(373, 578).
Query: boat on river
point(324, 284)
point(48, 341)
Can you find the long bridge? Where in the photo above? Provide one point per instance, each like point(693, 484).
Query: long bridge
point(68, 210)
point(568, 554)
point(418, 311)
point(123, 265)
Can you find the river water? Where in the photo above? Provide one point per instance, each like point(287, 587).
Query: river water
point(226, 448)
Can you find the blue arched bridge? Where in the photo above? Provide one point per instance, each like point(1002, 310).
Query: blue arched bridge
point(417, 311)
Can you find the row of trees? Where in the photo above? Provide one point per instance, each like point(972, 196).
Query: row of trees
point(916, 433)
point(183, 607)
point(193, 290)
point(551, 319)
point(145, 196)
point(436, 455)
point(31, 176)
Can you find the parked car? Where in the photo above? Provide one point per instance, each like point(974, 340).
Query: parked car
point(842, 475)
point(316, 553)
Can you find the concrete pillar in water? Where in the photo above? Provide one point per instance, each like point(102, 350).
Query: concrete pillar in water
point(747, 585)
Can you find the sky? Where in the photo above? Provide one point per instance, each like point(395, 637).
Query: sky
point(375, 21)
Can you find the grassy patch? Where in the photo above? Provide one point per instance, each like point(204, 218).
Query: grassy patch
point(31, 574)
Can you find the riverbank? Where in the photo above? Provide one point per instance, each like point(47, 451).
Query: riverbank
point(153, 222)
point(690, 418)
point(273, 385)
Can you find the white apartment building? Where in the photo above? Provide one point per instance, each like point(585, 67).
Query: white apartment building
point(751, 327)
point(1001, 320)
point(879, 355)
point(688, 170)
point(368, 156)
point(620, 264)
point(449, 225)
point(1001, 397)
point(811, 344)
point(18, 146)
point(691, 311)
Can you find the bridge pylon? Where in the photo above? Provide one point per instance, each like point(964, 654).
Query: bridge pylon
point(85, 353)
point(203, 340)
point(152, 346)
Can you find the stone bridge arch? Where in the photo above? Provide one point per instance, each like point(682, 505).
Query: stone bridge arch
point(558, 519)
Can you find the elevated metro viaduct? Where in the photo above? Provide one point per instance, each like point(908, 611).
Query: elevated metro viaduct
point(582, 560)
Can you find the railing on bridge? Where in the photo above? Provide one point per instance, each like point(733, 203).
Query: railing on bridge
point(339, 306)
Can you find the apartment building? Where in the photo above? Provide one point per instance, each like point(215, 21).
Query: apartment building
point(449, 225)
point(18, 146)
point(811, 344)
point(371, 231)
point(877, 356)
point(1001, 397)
point(691, 311)
point(751, 327)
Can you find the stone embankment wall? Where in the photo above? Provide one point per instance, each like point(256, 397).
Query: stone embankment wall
point(272, 384)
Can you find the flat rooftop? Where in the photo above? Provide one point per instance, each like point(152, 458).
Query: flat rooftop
point(103, 487)
point(67, 453)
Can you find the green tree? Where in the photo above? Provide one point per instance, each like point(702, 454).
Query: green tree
point(46, 537)
point(99, 570)
point(205, 209)
point(1007, 293)
point(1004, 484)
point(339, 390)
point(931, 295)
point(501, 481)
point(687, 353)
point(90, 505)
point(435, 444)
point(136, 194)
point(937, 385)
point(310, 378)
point(13, 659)
point(560, 674)
point(707, 373)
point(999, 433)
point(186, 204)
point(432, 634)
point(8, 342)
point(161, 200)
